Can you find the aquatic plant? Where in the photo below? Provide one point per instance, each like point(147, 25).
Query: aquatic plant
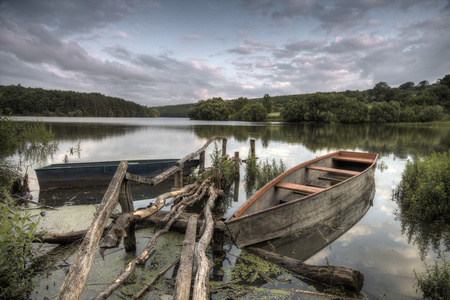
point(17, 252)
point(424, 192)
point(435, 282)
point(228, 172)
point(258, 174)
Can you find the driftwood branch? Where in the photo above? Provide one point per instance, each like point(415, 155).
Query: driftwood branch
point(76, 277)
point(330, 275)
point(201, 285)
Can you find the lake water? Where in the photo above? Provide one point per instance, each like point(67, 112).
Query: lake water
point(375, 245)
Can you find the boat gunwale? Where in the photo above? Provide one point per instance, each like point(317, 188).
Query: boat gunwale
point(233, 218)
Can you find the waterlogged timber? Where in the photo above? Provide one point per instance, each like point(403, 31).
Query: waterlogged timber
point(365, 246)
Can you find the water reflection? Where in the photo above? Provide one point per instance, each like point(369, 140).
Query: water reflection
point(377, 245)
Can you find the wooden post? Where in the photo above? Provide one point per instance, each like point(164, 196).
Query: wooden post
point(179, 179)
point(252, 147)
point(183, 283)
point(76, 277)
point(237, 162)
point(224, 147)
point(202, 161)
point(216, 178)
point(126, 203)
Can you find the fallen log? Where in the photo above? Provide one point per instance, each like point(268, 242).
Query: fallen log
point(183, 282)
point(76, 277)
point(201, 284)
point(330, 275)
point(153, 220)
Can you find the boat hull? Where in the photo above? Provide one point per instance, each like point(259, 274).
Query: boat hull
point(263, 218)
point(101, 173)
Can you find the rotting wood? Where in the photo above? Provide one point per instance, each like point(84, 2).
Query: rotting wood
point(184, 275)
point(224, 147)
point(118, 230)
point(126, 203)
point(201, 284)
point(142, 291)
point(76, 277)
point(157, 218)
point(142, 258)
point(330, 275)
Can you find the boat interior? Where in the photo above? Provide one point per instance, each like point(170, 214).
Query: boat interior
point(315, 178)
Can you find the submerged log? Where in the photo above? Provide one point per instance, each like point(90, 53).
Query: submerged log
point(183, 283)
point(330, 275)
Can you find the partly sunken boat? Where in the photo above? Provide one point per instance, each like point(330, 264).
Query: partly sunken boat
point(303, 196)
point(101, 173)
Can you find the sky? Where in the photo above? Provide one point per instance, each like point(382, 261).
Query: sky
point(180, 51)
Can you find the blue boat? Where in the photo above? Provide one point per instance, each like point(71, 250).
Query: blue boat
point(101, 173)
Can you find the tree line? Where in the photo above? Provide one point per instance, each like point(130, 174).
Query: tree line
point(18, 100)
point(381, 104)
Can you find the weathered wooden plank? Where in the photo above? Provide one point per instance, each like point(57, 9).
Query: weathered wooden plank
point(298, 187)
point(76, 277)
point(333, 170)
point(139, 179)
point(197, 153)
point(183, 283)
point(201, 284)
point(354, 159)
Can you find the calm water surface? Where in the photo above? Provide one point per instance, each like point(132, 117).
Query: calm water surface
point(375, 245)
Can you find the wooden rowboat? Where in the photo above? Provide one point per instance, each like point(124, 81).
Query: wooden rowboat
point(303, 196)
point(101, 173)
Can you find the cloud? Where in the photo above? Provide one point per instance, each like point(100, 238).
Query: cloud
point(191, 37)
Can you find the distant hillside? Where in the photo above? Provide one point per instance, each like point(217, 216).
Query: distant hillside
point(173, 111)
point(18, 100)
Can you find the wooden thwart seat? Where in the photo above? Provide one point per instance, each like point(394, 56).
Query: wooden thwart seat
point(333, 170)
point(298, 187)
point(354, 159)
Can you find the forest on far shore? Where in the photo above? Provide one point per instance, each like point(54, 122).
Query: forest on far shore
point(20, 101)
point(409, 103)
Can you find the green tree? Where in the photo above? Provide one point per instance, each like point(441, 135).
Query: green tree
point(407, 85)
point(382, 92)
point(384, 112)
point(239, 103)
point(446, 80)
point(268, 103)
point(294, 111)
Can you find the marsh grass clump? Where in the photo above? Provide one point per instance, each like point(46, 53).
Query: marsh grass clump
point(435, 282)
point(228, 172)
point(257, 174)
point(424, 192)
